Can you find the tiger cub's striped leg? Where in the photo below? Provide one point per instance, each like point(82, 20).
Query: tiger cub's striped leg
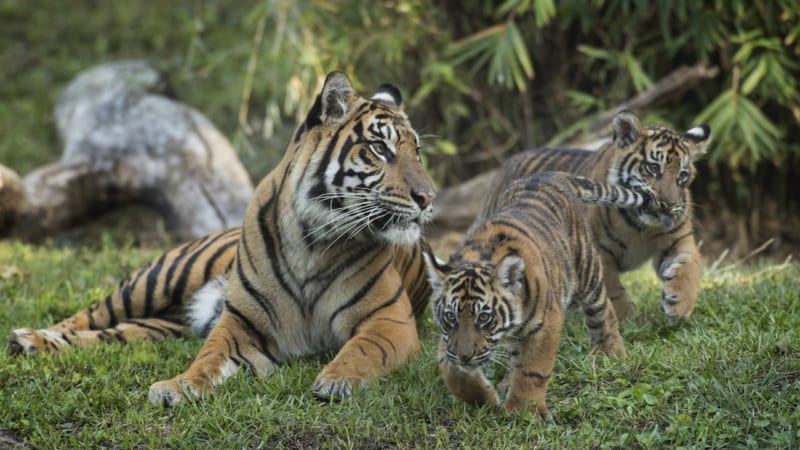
point(532, 369)
point(601, 321)
point(680, 272)
point(233, 342)
point(623, 306)
point(382, 340)
point(28, 340)
point(470, 386)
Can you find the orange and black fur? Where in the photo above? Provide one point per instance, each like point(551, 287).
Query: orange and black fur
point(650, 159)
point(510, 282)
point(329, 257)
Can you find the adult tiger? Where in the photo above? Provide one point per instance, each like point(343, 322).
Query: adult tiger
point(327, 256)
point(654, 160)
point(511, 279)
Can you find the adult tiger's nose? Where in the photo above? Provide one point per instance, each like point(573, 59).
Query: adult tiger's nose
point(422, 197)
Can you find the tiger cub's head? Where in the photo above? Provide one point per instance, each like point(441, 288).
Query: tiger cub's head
point(475, 305)
point(364, 176)
point(658, 162)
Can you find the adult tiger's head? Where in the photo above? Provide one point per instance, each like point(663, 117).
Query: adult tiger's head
point(475, 305)
point(659, 162)
point(364, 176)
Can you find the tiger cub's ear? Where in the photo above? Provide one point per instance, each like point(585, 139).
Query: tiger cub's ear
point(510, 272)
point(388, 94)
point(627, 129)
point(336, 97)
point(698, 137)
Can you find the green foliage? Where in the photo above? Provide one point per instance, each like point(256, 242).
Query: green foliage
point(728, 378)
point(485, 79)
point(501, 49)
point(733, 116)
point(481, 79)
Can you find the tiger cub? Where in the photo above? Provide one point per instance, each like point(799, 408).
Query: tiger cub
point(328, 255)
point(512, 278)
point(651, 159)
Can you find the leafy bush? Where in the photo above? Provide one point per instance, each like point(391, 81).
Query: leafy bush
point(481, 79)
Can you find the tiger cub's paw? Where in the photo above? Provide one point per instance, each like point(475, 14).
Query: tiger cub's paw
point(613, 347)
point(170, 392)
point(680, 285)
point(512, 408)
point(29, 341)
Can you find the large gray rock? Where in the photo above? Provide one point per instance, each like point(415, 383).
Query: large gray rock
point(126, 141)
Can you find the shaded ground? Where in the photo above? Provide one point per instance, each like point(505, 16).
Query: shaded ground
point(9, 440)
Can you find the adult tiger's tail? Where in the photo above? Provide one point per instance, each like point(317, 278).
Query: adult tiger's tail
point(151, 303)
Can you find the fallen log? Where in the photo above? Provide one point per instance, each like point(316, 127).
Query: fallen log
point(126, 141)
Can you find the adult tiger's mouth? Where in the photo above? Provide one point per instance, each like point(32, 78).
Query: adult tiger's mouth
point(388, 217)
point(396, 227)
point(389, 220)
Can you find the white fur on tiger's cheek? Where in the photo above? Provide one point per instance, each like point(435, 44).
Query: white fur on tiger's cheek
point(404, 235)
point(206, 307)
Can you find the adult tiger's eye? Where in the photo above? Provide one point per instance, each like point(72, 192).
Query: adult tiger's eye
point(379, 148)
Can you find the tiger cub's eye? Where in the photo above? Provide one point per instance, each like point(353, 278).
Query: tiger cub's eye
point(683, 177)
point(652, 168)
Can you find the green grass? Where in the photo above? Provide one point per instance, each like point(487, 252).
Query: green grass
point(728, 378)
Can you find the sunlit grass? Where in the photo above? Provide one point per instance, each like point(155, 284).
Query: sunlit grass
point(728, 377)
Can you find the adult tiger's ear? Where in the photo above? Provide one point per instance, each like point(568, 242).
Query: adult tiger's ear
point(698, 137)
point(437, 271)
point(510, 273)
point(388, 94)
point(627, 129)
point(336, 98)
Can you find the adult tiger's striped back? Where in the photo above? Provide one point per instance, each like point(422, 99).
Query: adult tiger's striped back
point(511, 279)
point(650, 159)
point(326, 259)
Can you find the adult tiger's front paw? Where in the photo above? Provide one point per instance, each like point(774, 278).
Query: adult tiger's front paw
point(330, 385)
point(326, 388)
point(171, 392)
point(29, 341)
point(681, 281)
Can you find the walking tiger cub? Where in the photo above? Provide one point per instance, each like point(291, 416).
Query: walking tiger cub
point(652, 159)
point(329, 253)
point(512, 278)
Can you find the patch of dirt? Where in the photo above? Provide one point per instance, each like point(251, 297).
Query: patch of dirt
point(11, 440)
point(309, 440)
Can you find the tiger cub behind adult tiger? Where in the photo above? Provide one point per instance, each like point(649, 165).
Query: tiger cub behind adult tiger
point(511, 279)
point(328, 254)
point(651, 159)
